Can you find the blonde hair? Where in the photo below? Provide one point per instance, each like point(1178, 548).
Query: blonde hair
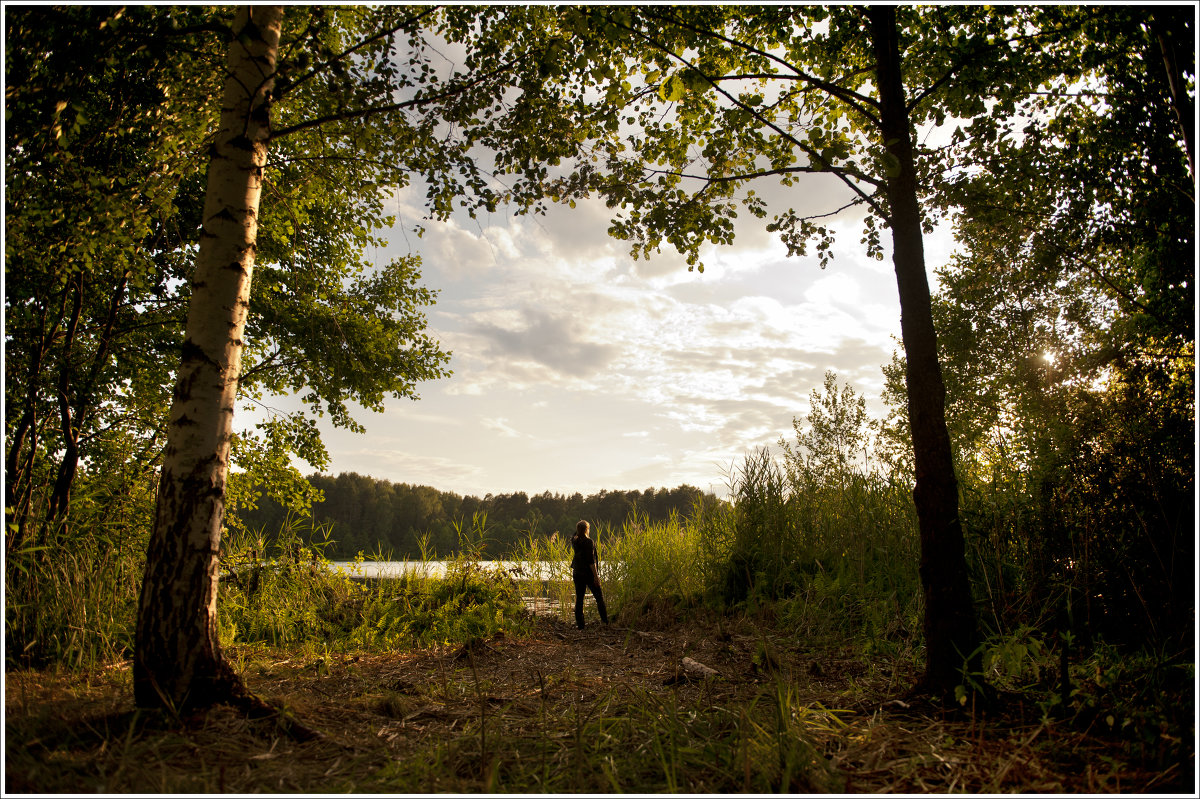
point(581, 528)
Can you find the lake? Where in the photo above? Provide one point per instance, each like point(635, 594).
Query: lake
point(437, 568)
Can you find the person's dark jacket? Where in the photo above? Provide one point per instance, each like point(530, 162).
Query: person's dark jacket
point(585, 554)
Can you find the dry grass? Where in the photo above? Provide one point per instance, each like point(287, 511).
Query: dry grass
point(556, 711)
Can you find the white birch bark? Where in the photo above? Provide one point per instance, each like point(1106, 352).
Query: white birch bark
point(177, 659)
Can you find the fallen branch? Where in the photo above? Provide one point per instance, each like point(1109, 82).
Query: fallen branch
point(690, 669)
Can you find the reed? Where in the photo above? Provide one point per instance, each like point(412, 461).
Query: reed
point(71, 604)
point(645, 565)
point(71, 596)
point(286, 593)
point(546, 571)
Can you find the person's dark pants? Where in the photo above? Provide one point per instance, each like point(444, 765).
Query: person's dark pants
point(585, 579)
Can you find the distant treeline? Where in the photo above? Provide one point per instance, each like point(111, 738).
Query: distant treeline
point(370, 515)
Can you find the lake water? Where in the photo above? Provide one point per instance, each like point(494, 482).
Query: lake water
point(527, 570)
point(437, 568)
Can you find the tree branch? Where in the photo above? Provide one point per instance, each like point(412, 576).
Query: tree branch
point(767, 173)
point(346, 53)
point(416, 102)
point(856, 101)
point(785, 135)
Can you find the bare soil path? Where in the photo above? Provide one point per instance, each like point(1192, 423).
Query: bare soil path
point(606, 710)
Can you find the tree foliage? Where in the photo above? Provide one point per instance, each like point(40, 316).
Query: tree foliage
point(96, 153)
point(836, 439)
point(110, 113)
point(373, 516)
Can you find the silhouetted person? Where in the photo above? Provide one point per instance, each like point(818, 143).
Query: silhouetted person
point(585, 573)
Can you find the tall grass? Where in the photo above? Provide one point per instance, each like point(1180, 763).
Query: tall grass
point(71, 594)
point(753, 543)
point(644, 564)
point(837, 557)
point(72, 602)
point(287, 594)
point(545, 571)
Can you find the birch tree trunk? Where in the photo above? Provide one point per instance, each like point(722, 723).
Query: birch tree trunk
point(177, 659)
point(951, 634)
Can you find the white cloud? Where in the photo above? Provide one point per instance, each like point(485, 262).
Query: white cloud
point(501, 426)
point(418, 468)
point(576, 368)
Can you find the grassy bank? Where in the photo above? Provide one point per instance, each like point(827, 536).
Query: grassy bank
point(802, 597)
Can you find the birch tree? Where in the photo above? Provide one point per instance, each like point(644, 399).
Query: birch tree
point(177, 656)
point(355, 91)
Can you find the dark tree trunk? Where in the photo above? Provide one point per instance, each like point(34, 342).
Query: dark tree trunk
point(1171, 28)
point(17, 484)
point(73, 415)
point(951, 635)
point(70, 431)
point(22, 446)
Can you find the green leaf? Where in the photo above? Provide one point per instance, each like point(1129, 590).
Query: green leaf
point(672, 89)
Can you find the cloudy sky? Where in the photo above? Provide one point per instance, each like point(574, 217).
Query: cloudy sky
point(577, 368)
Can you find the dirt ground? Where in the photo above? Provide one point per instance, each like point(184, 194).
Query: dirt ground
point(557, 710)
